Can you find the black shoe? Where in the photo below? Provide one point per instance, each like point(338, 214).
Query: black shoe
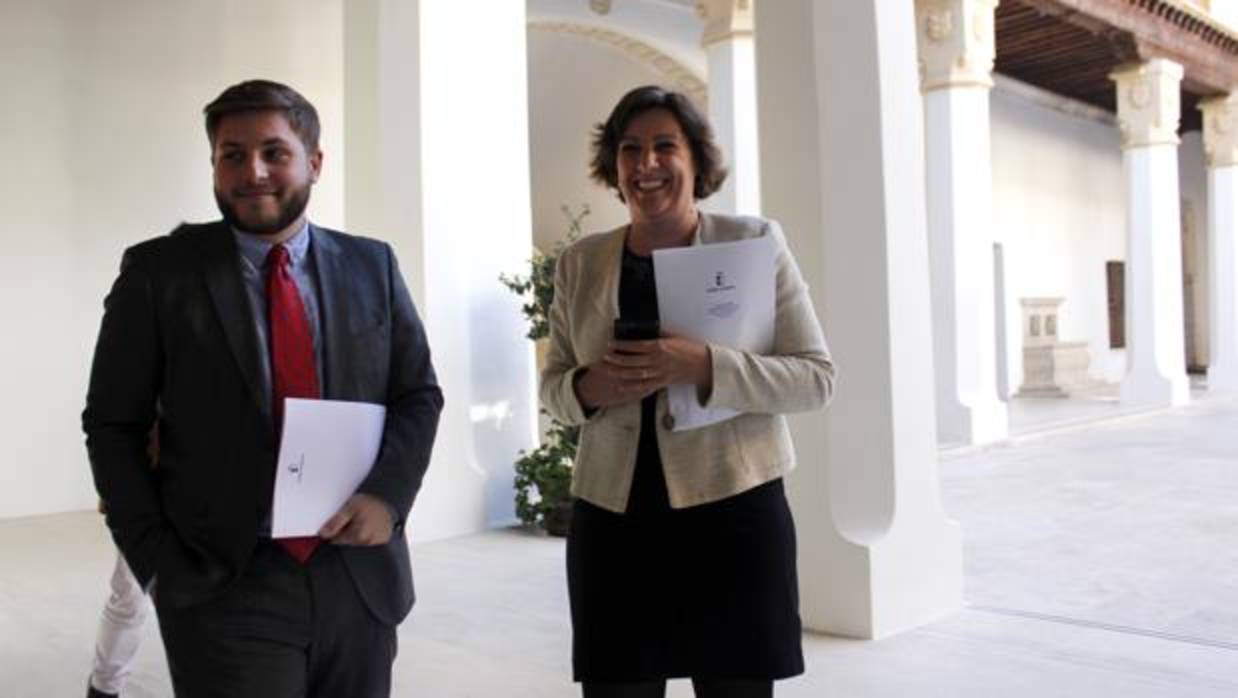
point(92, 692)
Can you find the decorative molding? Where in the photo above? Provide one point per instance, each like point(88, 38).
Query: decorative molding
point(938, 24)
point(724, 19)
point(1149, 102)
point(675, 74)
point(1221, 130)
point(1051, 100)
point(956, 43)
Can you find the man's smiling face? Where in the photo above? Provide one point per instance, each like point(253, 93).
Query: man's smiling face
point(263, 173)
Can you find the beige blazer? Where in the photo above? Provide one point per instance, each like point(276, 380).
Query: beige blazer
point(705, 464)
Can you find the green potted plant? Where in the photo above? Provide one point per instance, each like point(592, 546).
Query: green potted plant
point(544, 480)
point(544, 475)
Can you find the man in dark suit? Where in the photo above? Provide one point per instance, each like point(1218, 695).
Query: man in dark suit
point(205, 333)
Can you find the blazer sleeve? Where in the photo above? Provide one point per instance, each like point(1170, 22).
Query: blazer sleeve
point(414, 402)
point(120, 408)
point(557, 391)
point(798, 375)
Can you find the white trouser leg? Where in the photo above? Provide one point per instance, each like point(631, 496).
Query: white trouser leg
point(120, 630)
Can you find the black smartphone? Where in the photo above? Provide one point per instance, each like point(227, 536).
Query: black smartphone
point(636, 329)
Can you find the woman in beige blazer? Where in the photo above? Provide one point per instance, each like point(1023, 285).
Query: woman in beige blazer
point(681, 554)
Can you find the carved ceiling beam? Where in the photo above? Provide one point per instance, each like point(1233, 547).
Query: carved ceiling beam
point(1158, 29)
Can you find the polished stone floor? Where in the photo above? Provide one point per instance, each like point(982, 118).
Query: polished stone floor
point(1036, 415)
point(1101, 560)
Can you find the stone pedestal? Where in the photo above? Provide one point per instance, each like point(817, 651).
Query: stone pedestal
point(1051, 368)
point(1055, 371)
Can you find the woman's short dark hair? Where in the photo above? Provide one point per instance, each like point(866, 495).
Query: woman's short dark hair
point(706, 158)
point(265, 95)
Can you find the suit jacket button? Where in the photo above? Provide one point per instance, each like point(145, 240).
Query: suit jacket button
point(668, 421)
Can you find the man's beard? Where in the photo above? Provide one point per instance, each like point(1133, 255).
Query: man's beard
point(289, 210)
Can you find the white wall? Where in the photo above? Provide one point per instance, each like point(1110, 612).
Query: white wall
point(1059, 210)
point(102, 130)
point(42, 465)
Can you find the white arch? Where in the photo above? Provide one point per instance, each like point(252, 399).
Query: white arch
point(676, 74)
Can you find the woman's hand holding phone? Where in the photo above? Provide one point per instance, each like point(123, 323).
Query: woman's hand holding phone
point(640, 363)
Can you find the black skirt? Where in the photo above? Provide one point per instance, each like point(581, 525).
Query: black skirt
point(709, 591)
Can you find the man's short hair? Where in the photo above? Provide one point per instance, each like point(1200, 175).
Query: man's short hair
point(265, 95)
point(706, 157)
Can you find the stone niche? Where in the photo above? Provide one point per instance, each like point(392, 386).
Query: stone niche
point(1051, 367)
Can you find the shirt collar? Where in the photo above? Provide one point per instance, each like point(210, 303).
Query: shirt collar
point(254, 248)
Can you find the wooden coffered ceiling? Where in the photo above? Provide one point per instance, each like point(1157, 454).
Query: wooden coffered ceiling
point(1071, 46)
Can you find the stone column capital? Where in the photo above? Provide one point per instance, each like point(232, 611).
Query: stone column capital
point(1149, 102)
point(956, 43)
point(724, 19)
point(1221, 130)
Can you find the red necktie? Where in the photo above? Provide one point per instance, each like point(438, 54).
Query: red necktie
point(293, 368)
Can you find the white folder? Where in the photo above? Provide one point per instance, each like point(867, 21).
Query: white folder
point(721, 293)
point(326, 451)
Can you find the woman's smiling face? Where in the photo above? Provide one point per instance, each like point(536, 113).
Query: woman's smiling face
point(655, 168)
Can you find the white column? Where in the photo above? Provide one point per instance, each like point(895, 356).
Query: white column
point(842, 144)
point(1148, 114)
point(727, 40)
point(437, 163)
point(1221, 150)
point(956, 47)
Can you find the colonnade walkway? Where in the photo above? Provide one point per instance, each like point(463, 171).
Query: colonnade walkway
point(1101, 560)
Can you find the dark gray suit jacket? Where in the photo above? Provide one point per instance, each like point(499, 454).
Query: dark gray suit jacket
point(177, 345)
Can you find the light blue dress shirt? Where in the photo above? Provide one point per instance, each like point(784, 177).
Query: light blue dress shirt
point(254, 250)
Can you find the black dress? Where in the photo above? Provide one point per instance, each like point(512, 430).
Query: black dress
point(708, 591)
